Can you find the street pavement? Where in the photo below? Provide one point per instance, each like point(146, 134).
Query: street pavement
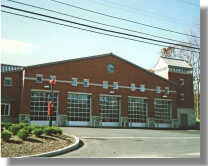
point(133, 143)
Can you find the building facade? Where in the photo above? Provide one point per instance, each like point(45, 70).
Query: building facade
point(98, 91)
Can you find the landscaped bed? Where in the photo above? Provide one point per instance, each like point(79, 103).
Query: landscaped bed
point(29, 140)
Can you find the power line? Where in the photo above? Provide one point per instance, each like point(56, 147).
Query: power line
point(121, 33)
point(92, 31)
point(145, 11)
point(189, 3)
point(97, 22)
point(143, 14)
point(123, 19)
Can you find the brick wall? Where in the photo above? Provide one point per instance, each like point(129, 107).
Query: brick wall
point(95, 70)
point(186, 89)
point(13, 91)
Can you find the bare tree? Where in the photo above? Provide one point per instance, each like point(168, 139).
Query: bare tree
point(192, 57)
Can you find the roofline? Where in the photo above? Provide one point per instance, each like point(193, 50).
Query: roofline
point(145, 70)
point(11, 65)
point(97, 56)
point(13, 71)
point(172, 59)
point(69, 60)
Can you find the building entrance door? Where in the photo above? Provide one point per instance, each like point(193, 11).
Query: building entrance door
point(184, 120)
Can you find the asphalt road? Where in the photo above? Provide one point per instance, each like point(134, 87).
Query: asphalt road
point(134, 143)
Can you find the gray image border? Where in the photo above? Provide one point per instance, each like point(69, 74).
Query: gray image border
point(140, 161)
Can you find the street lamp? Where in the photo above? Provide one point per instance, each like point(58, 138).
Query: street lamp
point(51, 104)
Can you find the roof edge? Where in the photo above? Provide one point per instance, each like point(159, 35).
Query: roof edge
point(97, 56)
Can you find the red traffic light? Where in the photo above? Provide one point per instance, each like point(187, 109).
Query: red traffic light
point(52, 82)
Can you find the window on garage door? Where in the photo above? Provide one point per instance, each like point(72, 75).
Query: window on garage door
point(162, 111)
point(109, 109)
point(78, 107)
point(39, 105)
point(137, 110)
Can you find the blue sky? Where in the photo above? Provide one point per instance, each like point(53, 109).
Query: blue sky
point(28, 42)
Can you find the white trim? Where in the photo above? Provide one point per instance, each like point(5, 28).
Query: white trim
point(79, 93)
point(38, 122)
point(158, 125)
point(29, 78)
point(137, 124)
point(109, 124)
point(62, 81)
point(76, 82)
point(41, 90)
point(150, 89)
point(86, 80)
point(105, 83)
point(9, 108)
point(163, 99)
point(109, 95)
point(116, 83)
point(181, 79)
point(182, 94)
point(127, 87)
point(9, 79)
point(99, 85)
point(96, 84)
point(133, 87)
point(39, 75)
point(158, 89)
point(138, 97)
point(141, 85)
point(79, 123)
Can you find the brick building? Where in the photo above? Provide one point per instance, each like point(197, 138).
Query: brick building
point(103, 90)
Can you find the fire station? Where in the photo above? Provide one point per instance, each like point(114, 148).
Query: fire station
point(100, 91)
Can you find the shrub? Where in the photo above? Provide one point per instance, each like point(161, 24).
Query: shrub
point(23, 125)
point(23, 133)
point(6, 125)
point(57, 130)
point(14, 128)
point(5, 135)
point(38, 132)
point(48, 130)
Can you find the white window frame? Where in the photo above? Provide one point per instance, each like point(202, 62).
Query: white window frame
point(182, 97)
point(39, 75)
point(7, 79)
point(181, 83)
point(133, 87)
point(115, 85)
point(142, 88)
point(105, 84)
point(9, 107)
point(74, 82)
point(158, 90)
point(167, 91)
point(86, 82)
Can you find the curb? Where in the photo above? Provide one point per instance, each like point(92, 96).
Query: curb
point(57, 152)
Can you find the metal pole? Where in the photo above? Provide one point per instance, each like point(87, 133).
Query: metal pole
point(50, 117)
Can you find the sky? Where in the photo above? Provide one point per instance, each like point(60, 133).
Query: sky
point(25, 41)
